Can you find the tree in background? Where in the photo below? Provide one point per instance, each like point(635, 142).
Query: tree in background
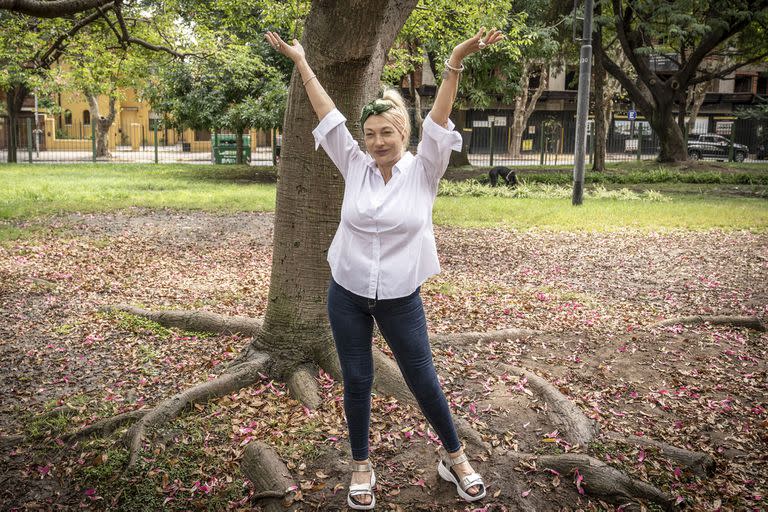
point(666, 44)
point(36, 35)
point(232, 88)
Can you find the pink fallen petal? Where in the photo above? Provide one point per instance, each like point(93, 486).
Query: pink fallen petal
point(90, 492)
point(525, 494)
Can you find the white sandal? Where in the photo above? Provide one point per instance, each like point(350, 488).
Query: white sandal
point(362, 489)
point(446, 472)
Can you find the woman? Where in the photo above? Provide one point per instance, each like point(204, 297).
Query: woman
point(383, 250)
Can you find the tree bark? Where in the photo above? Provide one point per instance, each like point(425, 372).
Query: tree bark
point(523, 107)
point(101, 124)
point(239, 146)
point(673, 147)
point(600, 134)
point(14, 100)
point(307, 215)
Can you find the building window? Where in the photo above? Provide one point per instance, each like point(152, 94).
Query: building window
point(762, 85)
point(67, 118)
point(742, 84)
point(571, 80)
point(86, 117)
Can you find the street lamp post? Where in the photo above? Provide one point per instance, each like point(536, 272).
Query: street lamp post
point(582, 108)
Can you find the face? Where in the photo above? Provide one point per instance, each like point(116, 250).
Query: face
point(382, 140)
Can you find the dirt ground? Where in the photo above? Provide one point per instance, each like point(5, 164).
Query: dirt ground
point(589, 296)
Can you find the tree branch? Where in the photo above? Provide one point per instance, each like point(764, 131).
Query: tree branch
point(705, 77)
point(626, 82)
point(624, 23)
point(57, 48)
point(127, 38)
point(51, 9)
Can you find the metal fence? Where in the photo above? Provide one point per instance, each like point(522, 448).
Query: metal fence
point(547, 139)
point(42, 143)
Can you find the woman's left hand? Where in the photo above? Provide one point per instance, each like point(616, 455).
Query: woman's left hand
point(476, 43)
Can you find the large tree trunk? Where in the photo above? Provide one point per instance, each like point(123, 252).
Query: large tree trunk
point(695, 97)
point(601, 116)
point(101, 124)
point(673, 146)
point(310, 187)
point(523, 107)
point(239, 145)
point(14, 100)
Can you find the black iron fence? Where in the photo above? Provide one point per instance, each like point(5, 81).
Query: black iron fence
point(41, 142)
point(547, 139)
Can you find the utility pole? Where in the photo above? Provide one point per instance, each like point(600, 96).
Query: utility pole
point(582, 108)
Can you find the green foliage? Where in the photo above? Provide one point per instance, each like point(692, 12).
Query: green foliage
point(528, 190)
point(434, 28)
point(233, 88)
point(30, 191)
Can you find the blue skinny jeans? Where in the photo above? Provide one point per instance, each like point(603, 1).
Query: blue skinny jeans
point(404, 327)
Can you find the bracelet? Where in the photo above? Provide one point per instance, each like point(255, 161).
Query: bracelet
point(457, 70)
point(308, 79)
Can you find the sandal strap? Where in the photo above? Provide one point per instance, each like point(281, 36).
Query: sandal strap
point(470, 480)
point(450, 461)
point(362, 467)
point(358, 489)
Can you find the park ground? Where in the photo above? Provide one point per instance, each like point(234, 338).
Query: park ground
point(589, 283)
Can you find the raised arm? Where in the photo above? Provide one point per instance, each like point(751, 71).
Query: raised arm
point(446, 94)
point(321, 102)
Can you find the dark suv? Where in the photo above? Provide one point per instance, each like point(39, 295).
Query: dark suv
point(710, 145)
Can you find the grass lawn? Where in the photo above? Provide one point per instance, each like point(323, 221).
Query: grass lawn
point(32, 191)
point(692, 212)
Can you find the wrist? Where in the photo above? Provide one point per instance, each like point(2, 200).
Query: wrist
point(455, 59)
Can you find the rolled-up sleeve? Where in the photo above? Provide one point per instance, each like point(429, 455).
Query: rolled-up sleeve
point(436, 146)
point(332, 134)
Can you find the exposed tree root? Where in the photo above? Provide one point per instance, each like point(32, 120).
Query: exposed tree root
point(577, 428)
point(107, 426)
point(270, 477)
point(304, 388)
point(700, 463)
point(197, 321)
point(604, 481)
point(750, 322)
point(246, 374)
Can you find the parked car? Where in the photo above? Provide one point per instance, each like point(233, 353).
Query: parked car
point(710, 145)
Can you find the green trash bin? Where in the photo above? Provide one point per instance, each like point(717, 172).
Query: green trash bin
point(225, 149)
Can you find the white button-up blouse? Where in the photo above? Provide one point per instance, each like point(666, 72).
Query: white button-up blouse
point(385, 246)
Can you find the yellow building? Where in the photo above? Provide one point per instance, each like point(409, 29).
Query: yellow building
point(133, 127)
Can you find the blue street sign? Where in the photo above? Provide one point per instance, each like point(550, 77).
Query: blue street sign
point(632, 115)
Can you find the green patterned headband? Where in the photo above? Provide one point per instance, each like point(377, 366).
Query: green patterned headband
point(376, 107)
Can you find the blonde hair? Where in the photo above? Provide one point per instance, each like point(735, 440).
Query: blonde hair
point(398, 114)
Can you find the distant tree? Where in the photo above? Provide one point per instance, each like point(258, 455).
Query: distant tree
point(35, 35)
point(667, 42)
point(231, 89)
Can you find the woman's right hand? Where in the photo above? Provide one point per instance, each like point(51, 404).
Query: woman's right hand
point(294, 52)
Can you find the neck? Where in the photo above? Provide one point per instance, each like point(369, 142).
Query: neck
point(386, 172)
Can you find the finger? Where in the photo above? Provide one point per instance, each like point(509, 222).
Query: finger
point(479, 34)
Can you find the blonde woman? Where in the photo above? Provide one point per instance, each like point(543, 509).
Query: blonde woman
point(384, 249)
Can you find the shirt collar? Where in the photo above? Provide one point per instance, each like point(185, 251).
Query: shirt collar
point(402, 165)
